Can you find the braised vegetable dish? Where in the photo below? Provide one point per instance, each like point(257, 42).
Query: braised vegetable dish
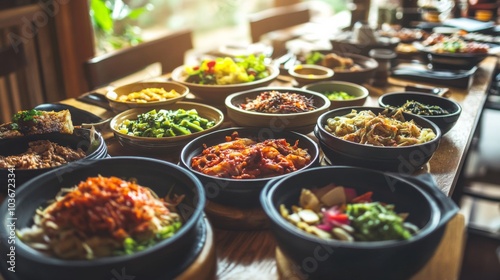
point(244, 158)
point(388, 128)
point(102, 216)
point(165, 123)
point(336, 212)
point(276, 102)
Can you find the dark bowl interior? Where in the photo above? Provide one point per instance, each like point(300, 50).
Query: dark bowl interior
point(158, 262)
point(368, 65)
point(321, 259)
point(455, 60)
point(241, 193)
point(79, 139)
point(444, 122)
point(405, 160)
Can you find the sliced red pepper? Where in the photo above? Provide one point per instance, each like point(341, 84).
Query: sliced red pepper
point(366, 197)
point(337, 217)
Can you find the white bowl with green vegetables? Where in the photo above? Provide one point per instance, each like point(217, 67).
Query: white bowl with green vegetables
point(164, 128)
point(340, 94)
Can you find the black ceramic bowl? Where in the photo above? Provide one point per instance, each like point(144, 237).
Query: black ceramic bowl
point(160, 261)
point(444, 122)
point(317, 258)
point(241, 193)
point(81, 138)
point(404, 159)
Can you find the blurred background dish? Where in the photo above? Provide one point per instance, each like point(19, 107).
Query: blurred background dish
point(348, 67)
point(172, 91)
point(163, 144)
point(444, 121)
point(341, 94)
point(427, 207)
point(90, 142)
point(215, 94)
point(310, 73)
point(403, 159)
point(164, 260)
point(301, 121)
point(241, 193)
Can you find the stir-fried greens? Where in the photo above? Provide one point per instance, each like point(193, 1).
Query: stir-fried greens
point(100, 217)
point(165, 123)
point(227, 71)
point(418, 108)
point(335, 212)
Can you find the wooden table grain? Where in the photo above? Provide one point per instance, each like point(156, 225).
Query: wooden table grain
point(251, 254)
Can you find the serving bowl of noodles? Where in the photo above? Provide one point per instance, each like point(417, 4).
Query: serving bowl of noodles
point(378, 138)
point(91, 220)
point(213, 80)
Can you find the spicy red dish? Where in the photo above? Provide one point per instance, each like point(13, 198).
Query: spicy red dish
point(244, 158)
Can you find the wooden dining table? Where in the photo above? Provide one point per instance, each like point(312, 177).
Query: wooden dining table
point(250, 254)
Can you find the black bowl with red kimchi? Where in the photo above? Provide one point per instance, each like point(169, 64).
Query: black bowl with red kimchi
point(132, 218)
point(234, 164)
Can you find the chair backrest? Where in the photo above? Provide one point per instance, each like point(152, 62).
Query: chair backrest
point(12, 59)
point(277, 18)
point(168, 50)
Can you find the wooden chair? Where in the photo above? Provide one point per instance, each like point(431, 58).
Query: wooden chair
point(13, 59)
point(277, 18)
point(168, 50)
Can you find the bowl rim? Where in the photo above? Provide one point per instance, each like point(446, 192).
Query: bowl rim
point(322, 119)
point(360, 87)
point(271, 187)
point(229, 104)
point(431, 96)
point(179, 72)
point(183, 156)
point(182, 95)
point(36, 256)
point(114, 122)
point(328, 72)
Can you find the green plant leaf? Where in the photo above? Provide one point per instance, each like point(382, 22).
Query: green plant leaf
point(135, 13)
point(101, 15)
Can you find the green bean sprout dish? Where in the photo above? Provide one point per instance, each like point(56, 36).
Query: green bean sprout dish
point(165, 123)
point(389, 128)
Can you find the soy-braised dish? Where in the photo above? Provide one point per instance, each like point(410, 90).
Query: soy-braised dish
point(245, 158)
point(418, 108)
point(101, 217)
point(165, 123)
point(337, 212)
point(277, 102)
point(388, 128)
point(31, 122)
point(333, 61)
point(148, 95)
point(42, 154)
point(228, 71)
